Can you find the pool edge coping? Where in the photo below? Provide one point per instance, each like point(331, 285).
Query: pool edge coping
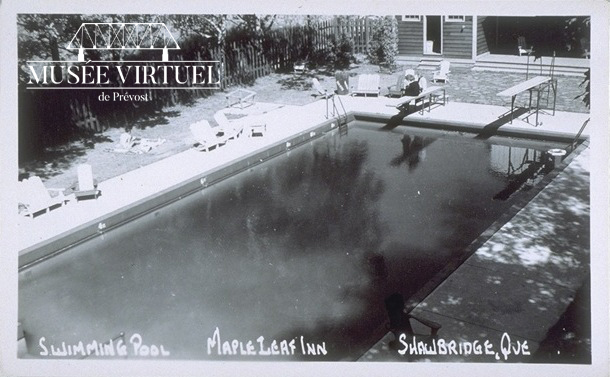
point(65, 240)
point(54, 245)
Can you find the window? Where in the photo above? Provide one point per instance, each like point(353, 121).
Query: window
point(411, 18)
point(455, 18)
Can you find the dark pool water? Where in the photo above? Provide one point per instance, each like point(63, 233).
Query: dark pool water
point(303, 247)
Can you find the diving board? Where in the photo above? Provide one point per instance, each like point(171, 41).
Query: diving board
point(431, 92)
point(538, 84)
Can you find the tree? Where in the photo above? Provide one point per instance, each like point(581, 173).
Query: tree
point(255, 25)
point(578, 32)
point(210, 27)
point(44, 37)
point(576, 39)
point(383, 47)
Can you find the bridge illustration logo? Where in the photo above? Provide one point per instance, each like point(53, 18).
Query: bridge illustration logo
point(122, 36)
point(155, 74)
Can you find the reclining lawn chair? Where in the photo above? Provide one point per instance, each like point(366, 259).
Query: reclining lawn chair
point(522, 46)
point(300, 66)
point(232, 129)
point(441, 74)
point(37, 199)
point(206, 138)
point(322, 92)
point(228, 129)
point(396, 89)
point(87, 188)
point(368, 84)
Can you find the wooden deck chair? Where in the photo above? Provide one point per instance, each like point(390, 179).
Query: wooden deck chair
point(396, 89)
point(300, 67)
point(86, 186)
point(522, 46)
point(37, 199)
point(254, 125)
point(206, 138)
point(230, 130)
point(322, 92)
point(441, 74)
point(423, 83)
point(368, 84)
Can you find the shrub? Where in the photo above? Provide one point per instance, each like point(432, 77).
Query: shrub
point(343, 50)
point(586, 95)
point(338, 55)
point(383, 46)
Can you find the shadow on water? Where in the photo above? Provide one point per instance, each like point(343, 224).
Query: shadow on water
point(292, 201)
point(534, 169)
point(413, 151)
point(347, 338)
point(396, 120)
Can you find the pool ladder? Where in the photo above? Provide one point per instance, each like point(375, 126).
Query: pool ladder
point(570, 147)
point(341, 117)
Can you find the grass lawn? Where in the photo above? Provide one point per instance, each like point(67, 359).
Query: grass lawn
point(57, 167)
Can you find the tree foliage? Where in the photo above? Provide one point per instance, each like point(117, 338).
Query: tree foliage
point(383, 47)
point(586, 85)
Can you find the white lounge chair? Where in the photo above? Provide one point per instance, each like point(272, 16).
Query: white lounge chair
point(36, 198)
point(232, 129)
point(228, 129)
point(423, 83)
point(323, 92)
point(368, 84)
point(300, 67)
point(522, 46)
point(86, 186)
point(441, 74)
point(206, 138)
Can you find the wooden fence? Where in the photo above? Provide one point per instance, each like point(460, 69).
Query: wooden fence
point(278, 51)
point(359, 30)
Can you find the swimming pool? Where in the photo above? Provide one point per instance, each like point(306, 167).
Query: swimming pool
point(301, 249)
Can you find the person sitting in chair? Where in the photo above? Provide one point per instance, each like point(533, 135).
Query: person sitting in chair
point(411, 86)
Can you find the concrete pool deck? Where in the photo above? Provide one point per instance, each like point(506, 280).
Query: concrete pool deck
point(449, 305)
point(512, 285)
point(282, 122)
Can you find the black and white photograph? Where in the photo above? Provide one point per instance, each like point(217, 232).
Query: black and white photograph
point(305, 188)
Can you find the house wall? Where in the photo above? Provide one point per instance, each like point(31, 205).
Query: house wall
point(457, 39)
point(410, 37)
point(498, 35)
point(482, 46)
